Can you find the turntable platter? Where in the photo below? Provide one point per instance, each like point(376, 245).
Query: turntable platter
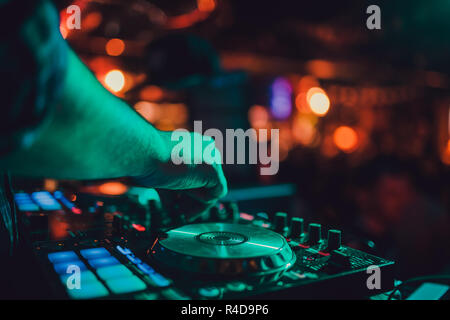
point(224, 249)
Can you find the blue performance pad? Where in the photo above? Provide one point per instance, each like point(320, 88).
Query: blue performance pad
point(126, 285)
point(103, 262)
point(89, 291)
point(85, 277)
point(95, 253)
point(134, 259)
point(117, 271)
point(61, 268)
point(158, 280)
point(145, 268)
point(46, 201)
point(57, 257)
point(24, 202)
point(124, 251)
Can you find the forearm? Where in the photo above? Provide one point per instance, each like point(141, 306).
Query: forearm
point(91, 135)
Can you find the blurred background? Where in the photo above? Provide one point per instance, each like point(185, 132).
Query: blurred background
point(364, 115)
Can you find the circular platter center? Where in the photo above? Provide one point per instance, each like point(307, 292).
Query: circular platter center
point(222, 238)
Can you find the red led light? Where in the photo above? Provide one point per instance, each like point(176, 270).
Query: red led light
point(246, 216)
point(76, 210)
point(138, 227)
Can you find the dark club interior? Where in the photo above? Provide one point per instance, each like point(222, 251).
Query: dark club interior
point(330, 128)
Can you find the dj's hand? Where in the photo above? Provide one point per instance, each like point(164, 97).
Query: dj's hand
point(195, 175)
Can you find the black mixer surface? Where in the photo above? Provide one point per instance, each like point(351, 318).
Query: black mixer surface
point(121, 251)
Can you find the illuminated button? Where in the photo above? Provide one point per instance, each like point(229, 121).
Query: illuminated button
point(124, 251)
point(134, 259)
point(85, 277)
point(211, 292)
point(60, 196)
point(88, 291)
point(28, 207)
point(173, 294)
point(111, 272)
point(145, 268)
point(158, 280)
point(103, 262)
point(24, 202)
point(57, 257)
point(146, 296)
point(236, 286)
point(46, 201)
point(21, 195)
point(95, 253)
point(262, 215)
point(126, 284)
point(63, 267)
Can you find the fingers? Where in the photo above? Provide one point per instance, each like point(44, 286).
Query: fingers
point(196, 172)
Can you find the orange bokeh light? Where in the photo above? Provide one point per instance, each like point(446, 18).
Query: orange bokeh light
point(206, 5)
point(346, 138)
point(115, 80)
point(113, 188)
point(63, 30)
point(148, 110)
point(318, 101)
point(115, 47)
point(258, 116)
point(151, 93)
point(446, 154)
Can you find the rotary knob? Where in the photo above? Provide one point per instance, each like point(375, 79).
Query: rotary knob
point(296, 227)
point(280, 222)
point(314, 233)
point(334, 240)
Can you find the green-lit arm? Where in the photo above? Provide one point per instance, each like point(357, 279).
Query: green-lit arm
point(93, 134)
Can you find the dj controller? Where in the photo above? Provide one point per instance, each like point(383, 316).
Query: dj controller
point(122, 247)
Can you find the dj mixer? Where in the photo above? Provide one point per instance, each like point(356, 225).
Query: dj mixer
point(122, 247)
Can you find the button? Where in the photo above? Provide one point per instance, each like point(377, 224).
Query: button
point(280, 222)
point(124, 251)
point(117, 222)
point(145, 268)
point(27, 206)
point(94, 253)
point(296, 227)
point(334, 240)
point(116, 271)
point(146, 296)
point(262, 215)
point(173, 294)
point(60, 196)
point(85, 277)
point(57, 257)
point(158, 280)
point(236, 286)
point(103, 262)
point(61, 268)
point(46, 201)
point(134, 259)
point(88, 291)
point(126, 285)
point(314, 233)
point(211, 292)
point(21, 195)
